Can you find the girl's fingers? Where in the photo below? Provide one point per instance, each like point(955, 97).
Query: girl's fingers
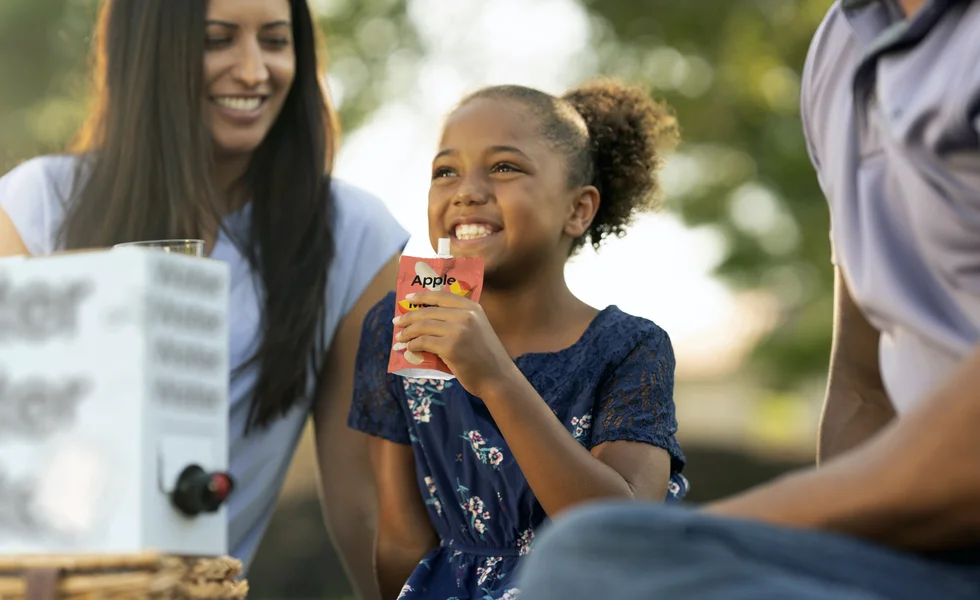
point(426, 327)
point(433, 313)
point(428, 343)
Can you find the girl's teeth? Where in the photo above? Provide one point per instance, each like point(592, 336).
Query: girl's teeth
point(472, 231)
point(243, 104)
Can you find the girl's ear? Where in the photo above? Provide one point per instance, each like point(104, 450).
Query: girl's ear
point(581, 211)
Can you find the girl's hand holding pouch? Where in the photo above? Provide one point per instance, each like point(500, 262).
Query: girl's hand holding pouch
point(457, 330)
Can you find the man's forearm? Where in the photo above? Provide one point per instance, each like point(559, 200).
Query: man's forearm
point(877, 491)
point(857, 406)
point(852, 415)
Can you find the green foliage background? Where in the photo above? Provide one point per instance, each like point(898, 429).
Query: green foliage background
point(729, 67)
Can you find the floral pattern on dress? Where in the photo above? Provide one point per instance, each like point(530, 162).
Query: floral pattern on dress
point(433, 499)
point(422, 395)
point(488, 572)
point(491, 455)
point(406, 590)
point(580, 427)
point(524, 542)
point(678, 486)
point(474, 506)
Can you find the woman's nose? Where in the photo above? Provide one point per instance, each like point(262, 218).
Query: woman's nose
point(251, 69)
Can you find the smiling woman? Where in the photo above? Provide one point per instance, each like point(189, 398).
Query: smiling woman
point(211, 121)
point(249, 68)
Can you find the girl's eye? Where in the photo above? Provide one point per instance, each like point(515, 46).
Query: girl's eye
point(278, 42)
point(504, 168)
point(442, 172)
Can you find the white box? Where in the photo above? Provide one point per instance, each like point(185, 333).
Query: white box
point(113, 380)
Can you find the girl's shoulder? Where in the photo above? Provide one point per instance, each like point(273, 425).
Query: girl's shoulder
point(377, 329)
point(616, 335)
point(383, 312)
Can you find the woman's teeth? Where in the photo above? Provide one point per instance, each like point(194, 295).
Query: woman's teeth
point(472, 231)
point(239, 103)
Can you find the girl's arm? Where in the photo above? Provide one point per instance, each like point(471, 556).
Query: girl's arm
point(405, 534)
point(634, 425)
point(347, 495)
point(560, 471)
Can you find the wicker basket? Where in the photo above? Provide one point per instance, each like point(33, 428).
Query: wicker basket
point(149, 575)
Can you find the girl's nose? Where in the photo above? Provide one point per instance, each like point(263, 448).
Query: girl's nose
point(472, 193)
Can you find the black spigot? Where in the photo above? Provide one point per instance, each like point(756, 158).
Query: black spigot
point(198, 491)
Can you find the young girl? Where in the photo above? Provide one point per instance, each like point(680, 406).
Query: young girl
point(555, 403)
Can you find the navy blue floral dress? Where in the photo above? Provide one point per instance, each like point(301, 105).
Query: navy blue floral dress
point(615, 383)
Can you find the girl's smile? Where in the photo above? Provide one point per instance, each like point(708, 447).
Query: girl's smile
point(498, 190)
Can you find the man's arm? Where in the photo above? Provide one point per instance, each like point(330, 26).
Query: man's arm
point(347, 492)
point(875, 491)
point(857, 406)
point(405, 533)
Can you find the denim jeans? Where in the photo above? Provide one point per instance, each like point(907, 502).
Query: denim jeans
point(633, 551)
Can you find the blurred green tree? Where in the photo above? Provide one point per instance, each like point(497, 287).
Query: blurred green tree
point(730, 68)
point(732, 72)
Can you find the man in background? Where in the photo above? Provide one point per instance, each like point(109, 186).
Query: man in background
point(891, 113)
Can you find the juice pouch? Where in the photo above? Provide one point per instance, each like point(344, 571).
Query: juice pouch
point(460, 276)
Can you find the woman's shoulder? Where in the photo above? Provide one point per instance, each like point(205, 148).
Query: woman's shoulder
point(366, 238)
point(34, 194)
point(52, 166)
point(51, 174)
point(355, 206)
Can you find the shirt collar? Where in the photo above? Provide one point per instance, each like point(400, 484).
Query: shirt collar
point(878, 23)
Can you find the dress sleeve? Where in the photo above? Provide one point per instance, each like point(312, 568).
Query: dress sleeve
point(375, 409)
point(637, 403)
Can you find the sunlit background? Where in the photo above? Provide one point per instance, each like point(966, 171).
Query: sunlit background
point(736, 268)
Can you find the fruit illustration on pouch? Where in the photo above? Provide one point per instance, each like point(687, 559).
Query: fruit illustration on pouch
point(405, 306)
point(461, 288)
point(414, 358)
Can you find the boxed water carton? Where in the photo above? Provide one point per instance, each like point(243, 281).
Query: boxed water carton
point(113, 403)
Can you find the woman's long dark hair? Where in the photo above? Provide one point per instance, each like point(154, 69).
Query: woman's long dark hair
point(146, 168)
